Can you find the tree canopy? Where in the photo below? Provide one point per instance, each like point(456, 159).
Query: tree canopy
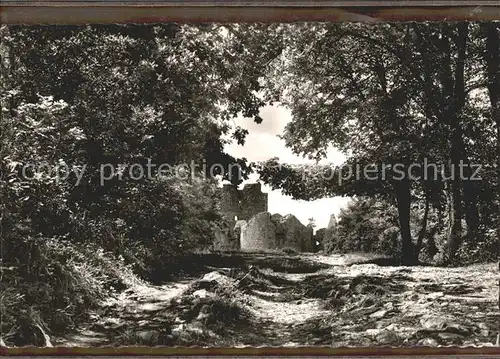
point(391, 94)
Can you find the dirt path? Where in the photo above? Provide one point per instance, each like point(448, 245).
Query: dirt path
point(304, 300)
point(282, 318)
point(137, 309)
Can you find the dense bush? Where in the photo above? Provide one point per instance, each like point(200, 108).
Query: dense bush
point(371, 225)
point(484, 249)
point(365, 225)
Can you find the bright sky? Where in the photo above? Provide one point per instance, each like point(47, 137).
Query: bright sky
point(262, 143)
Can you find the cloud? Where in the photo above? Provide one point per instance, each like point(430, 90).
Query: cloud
point(274, 121)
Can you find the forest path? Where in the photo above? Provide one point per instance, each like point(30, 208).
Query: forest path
point(303, 300)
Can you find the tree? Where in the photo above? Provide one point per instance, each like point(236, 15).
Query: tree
point(491, 31)
point(444, 58)
point(312, 223)
point(346, 87)
point(382, 94)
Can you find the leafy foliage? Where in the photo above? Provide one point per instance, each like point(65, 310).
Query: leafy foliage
point(383, 94)
point(366, 225)
point(103, 100)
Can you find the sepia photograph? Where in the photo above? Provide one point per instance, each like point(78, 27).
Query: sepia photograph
point(232, 185)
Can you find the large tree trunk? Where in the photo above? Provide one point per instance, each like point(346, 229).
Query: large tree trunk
point(403, 200)
point(455, 222)
point(457, 150)
point(470, 203)
point(423, 229)
point(446, 102)
point(455, 198)
point(462, 189)
point(492, 58)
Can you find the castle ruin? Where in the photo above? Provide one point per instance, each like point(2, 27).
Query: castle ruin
point(251, 226)
point(242, 204)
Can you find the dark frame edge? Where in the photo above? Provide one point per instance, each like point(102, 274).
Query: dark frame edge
point(104, 14)
point(249, 351)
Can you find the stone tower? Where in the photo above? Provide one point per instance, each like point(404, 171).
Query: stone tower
point(242, 205)
point(252, 201)
point(230, 202)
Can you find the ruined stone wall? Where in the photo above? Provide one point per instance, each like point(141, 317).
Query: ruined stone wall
point(236, 206)
point(259, 233)
point(225, 238)
point(247, 216)
point(292, 234)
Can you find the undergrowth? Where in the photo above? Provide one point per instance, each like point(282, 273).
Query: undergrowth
point(52, 290)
